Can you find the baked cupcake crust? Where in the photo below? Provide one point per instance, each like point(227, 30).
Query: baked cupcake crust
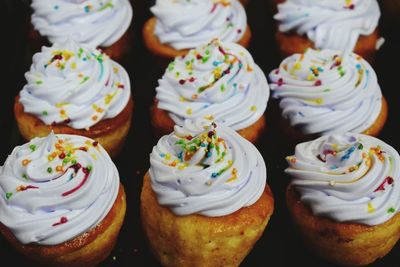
point(87, 249)
point(197, 240)
point(349, 244)
point(292, 43)
point(163, 124)
point(110, 133)
point(165, 51)
point(116, 51)
point(297, 137)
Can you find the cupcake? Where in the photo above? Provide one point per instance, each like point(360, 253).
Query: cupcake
point(102, 24)
point(344, 197)
point(348, 25)
point(218, 82)
point(325, 91)
point(74, 89)
point(61, 201)
point(204, 201)
point(180, 25)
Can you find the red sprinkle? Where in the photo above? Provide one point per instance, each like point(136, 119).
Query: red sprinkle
point(121, 86)
point(192, 79)
point(280, 82)
point(26, 187)
point(86, 172)
point(318, 83)
point(239, 31)
point(277, 72)
point(62, 221)
point(57, 57)
point(95, 143)
point(198, 56)
point(62, 155)
point(83, 148)
point(182, 82)
point(388, 180)
point(76, 167)
point(189, 137)
point(214, 7)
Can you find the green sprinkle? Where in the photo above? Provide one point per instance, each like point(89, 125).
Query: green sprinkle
point(107, 5)
point(85, 79)
point(73, 161)
point(44, 113)
point(222, 87)
point(177, 74)
point(49, 170)
point(207, 52)
point(32, 147)
point(193, 148)
point(39, 82)
point(360, 146)
point(80, 51)
point(9, 195)
point(65, 161)
point(205, 59)
point(90, 167)
point(25, 176)
point(327, 90)
point(171, 66)
point(391, 210)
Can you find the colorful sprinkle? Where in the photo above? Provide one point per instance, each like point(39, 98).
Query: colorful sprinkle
point(62, 221)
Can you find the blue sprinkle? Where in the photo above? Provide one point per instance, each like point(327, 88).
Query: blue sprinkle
point(235, 85)
point(334, 167)
point(301, 114)
point(162, 155)
point(56, 7)
point(358, 66)
point(205, 106)
point(86, 8)
point(71, 177)
point(240, 65)
point(180, 156)
point(214, 174)
point(348, 153)
point(84, 59)
point(202, 145)
point(208, 154)
point(216, 63)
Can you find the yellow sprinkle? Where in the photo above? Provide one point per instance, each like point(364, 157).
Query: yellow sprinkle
point(182, 166)
point(297, 66)
point(189, 111)
point(88, 143)
point(217, 72)
point(371, 208)
point(93, 156)
point(50, 158)
point(109, 97)
point(209, 117)
point(61, 104)
point(182, 99)
point(167, 156)
point(310, 77)
point(115, 70)
point(253, 108)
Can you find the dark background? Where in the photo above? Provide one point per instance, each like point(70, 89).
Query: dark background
point(280, 245)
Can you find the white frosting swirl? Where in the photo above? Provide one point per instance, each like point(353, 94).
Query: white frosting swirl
point(92, 22)
point(56, 188)
point(218, 81)
point(322, 93)
point(348, 178)
point(206, 169)
point(329, 24)
point(72, 84)
point(185, 24)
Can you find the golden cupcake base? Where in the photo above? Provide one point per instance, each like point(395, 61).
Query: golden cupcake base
point(347, 244)
point(87, 249)
point(110, 133)
point(196, 240)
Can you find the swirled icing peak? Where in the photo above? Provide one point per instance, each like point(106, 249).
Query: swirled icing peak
point(92, 22)
point(348, 178)
point(55, 188)
point(73, 84)
point(218, 81)
point(185, 24)
point(326, 91)
point(206, 169)
point(333, 24)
